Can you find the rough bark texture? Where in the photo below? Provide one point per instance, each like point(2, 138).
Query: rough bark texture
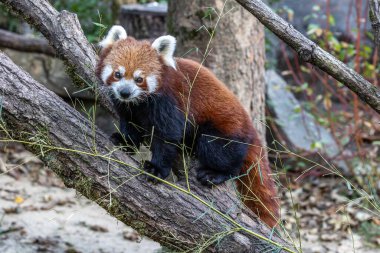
point(374, 15)
point(169, 216)
point(24, 43)
point(65, 35)
point(308, 51)
point(144, 21)
point(237, 54)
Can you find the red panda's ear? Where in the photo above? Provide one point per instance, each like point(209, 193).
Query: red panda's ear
point(165, 46)
point(116, 33)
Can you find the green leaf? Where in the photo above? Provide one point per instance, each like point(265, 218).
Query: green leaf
point(337, 47)
point(316, 145)
point(351, 51)
point(100, 25)
point(297, 109)
point(312, 28)
point(331, 20)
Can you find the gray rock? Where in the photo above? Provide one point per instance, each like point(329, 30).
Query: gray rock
point(299, 127)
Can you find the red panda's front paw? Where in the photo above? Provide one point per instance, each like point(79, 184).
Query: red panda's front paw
point(117, 139)
point(156, 171)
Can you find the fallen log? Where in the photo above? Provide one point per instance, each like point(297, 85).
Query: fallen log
point(25, 43)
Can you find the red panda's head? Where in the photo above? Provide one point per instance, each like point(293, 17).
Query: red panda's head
point(133, 68)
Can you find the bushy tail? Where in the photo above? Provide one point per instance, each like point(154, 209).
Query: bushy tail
point(257, 187)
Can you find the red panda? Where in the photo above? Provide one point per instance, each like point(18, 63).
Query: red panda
point(179, 101)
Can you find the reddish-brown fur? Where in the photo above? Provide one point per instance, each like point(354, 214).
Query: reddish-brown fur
point(212, 101)
point(209, 100)
point(257, 187)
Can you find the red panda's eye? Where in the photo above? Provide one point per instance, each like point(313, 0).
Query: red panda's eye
point(118, 75)
point(139, 80)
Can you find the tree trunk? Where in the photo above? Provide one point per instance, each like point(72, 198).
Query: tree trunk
point(85, 159)
point(237, 53)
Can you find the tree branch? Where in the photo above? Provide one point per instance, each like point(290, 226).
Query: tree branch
point(25, 43)
point(310, 52)
point(374, 16)
point(65, 35)
point(85, 160)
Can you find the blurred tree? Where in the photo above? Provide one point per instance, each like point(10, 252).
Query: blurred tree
point(121, 2)
point(116, 4)
point(93, 14)
point(237, 49)
point(7, 20)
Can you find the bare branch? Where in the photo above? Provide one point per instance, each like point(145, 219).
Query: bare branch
point(310, 52)
point(65, 35)
point(86, 161)
point(25, 43)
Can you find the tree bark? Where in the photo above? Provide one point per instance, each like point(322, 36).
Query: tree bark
point(374, 16)
point(85, 159)
point(65, 35)
point(24, 43)
point(237, 50)
point(308, 51)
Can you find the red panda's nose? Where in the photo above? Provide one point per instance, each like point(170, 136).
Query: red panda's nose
point(124, 93)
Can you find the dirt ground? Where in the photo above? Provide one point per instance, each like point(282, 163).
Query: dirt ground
point(38, 218)
point(327, 221)
point(38, 214)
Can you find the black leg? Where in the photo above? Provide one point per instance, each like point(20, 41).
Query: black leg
point(129, 136)
point(163, 158)
point(220, 159)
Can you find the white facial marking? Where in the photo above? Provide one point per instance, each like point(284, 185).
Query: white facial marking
point(116, 33)
point(165, 46)
point(137, 73)
point(121, 70)
point(106, 73)
point(152, 83)
point(128, 85)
